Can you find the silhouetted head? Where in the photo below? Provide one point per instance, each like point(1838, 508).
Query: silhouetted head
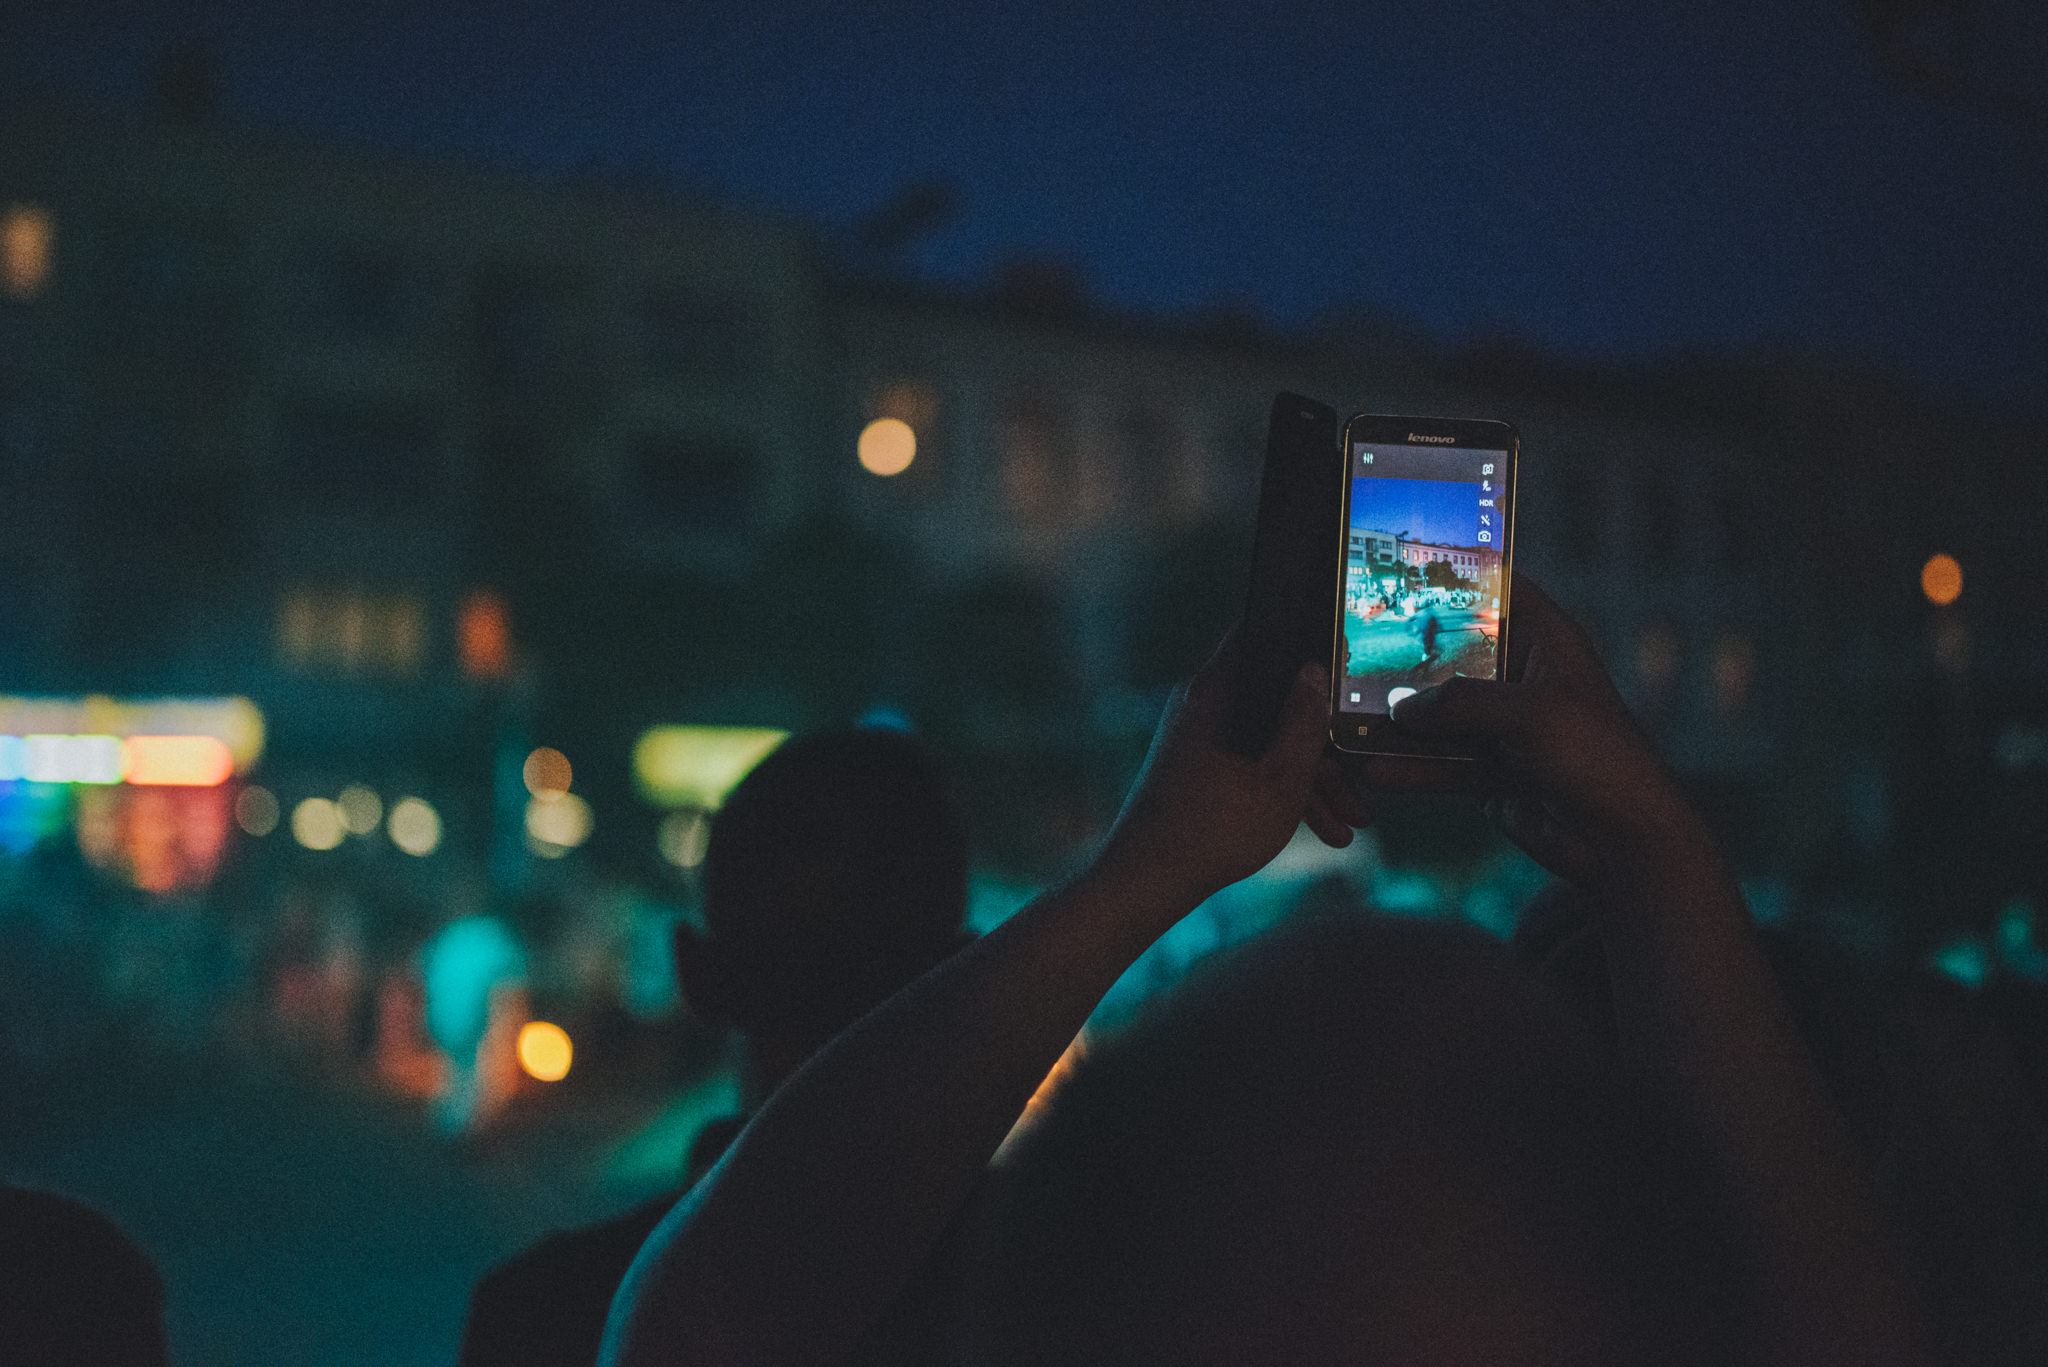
point(1352, 1140)
point(73, 1288)
point(835, 875)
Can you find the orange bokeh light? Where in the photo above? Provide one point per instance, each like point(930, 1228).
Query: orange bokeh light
point(178, 761)
point(544, 1050)
point(162, 839)
point(887, 446)
point(546, 772)
point(483, 637)
point(1941, 579)
point(26, 234)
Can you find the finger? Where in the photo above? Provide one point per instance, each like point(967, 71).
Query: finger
point(1337, 795)
point(1330, 828)
point(1465, 707)
point(1304, 725)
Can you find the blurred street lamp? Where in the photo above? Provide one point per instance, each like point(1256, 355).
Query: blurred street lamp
point(545, 1051)
point(547, 772)
point(415, 826)
point(483, 635)
point(887, 446)
point(557, 823)
point(26, 238)
point(361, 810)
point(317, 824)
point(256, 810)
point(1941, 580)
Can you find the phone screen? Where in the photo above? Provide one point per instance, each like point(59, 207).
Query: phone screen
point(1426, 530)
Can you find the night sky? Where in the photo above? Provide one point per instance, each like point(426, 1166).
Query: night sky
point(1607, 179)
point(1440, 511)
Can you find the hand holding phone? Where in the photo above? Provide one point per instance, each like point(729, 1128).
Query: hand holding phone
point(1288, 599)
point(1424, 573)
point(1566, 772)
point(1201, 814)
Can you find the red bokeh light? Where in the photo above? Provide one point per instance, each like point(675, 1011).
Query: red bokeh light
point(483, 636)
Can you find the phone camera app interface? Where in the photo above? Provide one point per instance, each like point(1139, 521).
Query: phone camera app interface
point(1422, 570)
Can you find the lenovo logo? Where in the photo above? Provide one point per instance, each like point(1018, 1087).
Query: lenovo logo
point(1442, 441)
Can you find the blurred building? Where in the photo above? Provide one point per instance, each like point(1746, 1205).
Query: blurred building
point(296, 421)
point(435, 463)
point(1108, 472)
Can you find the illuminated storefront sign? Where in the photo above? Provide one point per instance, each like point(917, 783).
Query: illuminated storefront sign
point(162, 761)
point(175, 742)
point(696, 766)
point(143, 783)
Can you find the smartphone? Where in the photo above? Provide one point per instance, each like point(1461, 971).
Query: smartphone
point(1421, 594)
point(1290, 597)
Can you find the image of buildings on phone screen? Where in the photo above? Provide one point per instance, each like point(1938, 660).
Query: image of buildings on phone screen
point(1421, 587)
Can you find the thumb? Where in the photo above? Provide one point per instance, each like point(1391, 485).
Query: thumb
point(1464, 707)
point(1305, 718)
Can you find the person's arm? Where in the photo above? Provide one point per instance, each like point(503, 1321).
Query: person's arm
point(1578, 786)
point(828, 1202)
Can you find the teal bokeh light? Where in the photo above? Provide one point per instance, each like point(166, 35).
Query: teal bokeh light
point(30, 813)
point(460, 966)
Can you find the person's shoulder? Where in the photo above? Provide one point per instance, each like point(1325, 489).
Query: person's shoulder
point(58, 1236)
point(73, 1287)
point(580, 1253)
point(548, 1303)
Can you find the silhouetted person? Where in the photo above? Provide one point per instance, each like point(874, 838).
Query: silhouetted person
point(1406, 1167)
point(1934, 1092)
point(74, 1291)
point(835, 874)
point(1383, 1105)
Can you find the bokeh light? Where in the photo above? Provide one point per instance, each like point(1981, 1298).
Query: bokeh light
point(460, 967)
point(317, 824)
point(1941, 579)
point(362, 811)
point(683, 837)
point(887, 446)
point(174, 722)
point(157, 838)
point(70, 759)
point(256, 810)
point(557, 824)
point(415, 826)
point(483, 637)
point(696, 766)
point(545, 1051)
point(27, 237)
point(547, 772)
point(178, 761)
point(29, 814)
